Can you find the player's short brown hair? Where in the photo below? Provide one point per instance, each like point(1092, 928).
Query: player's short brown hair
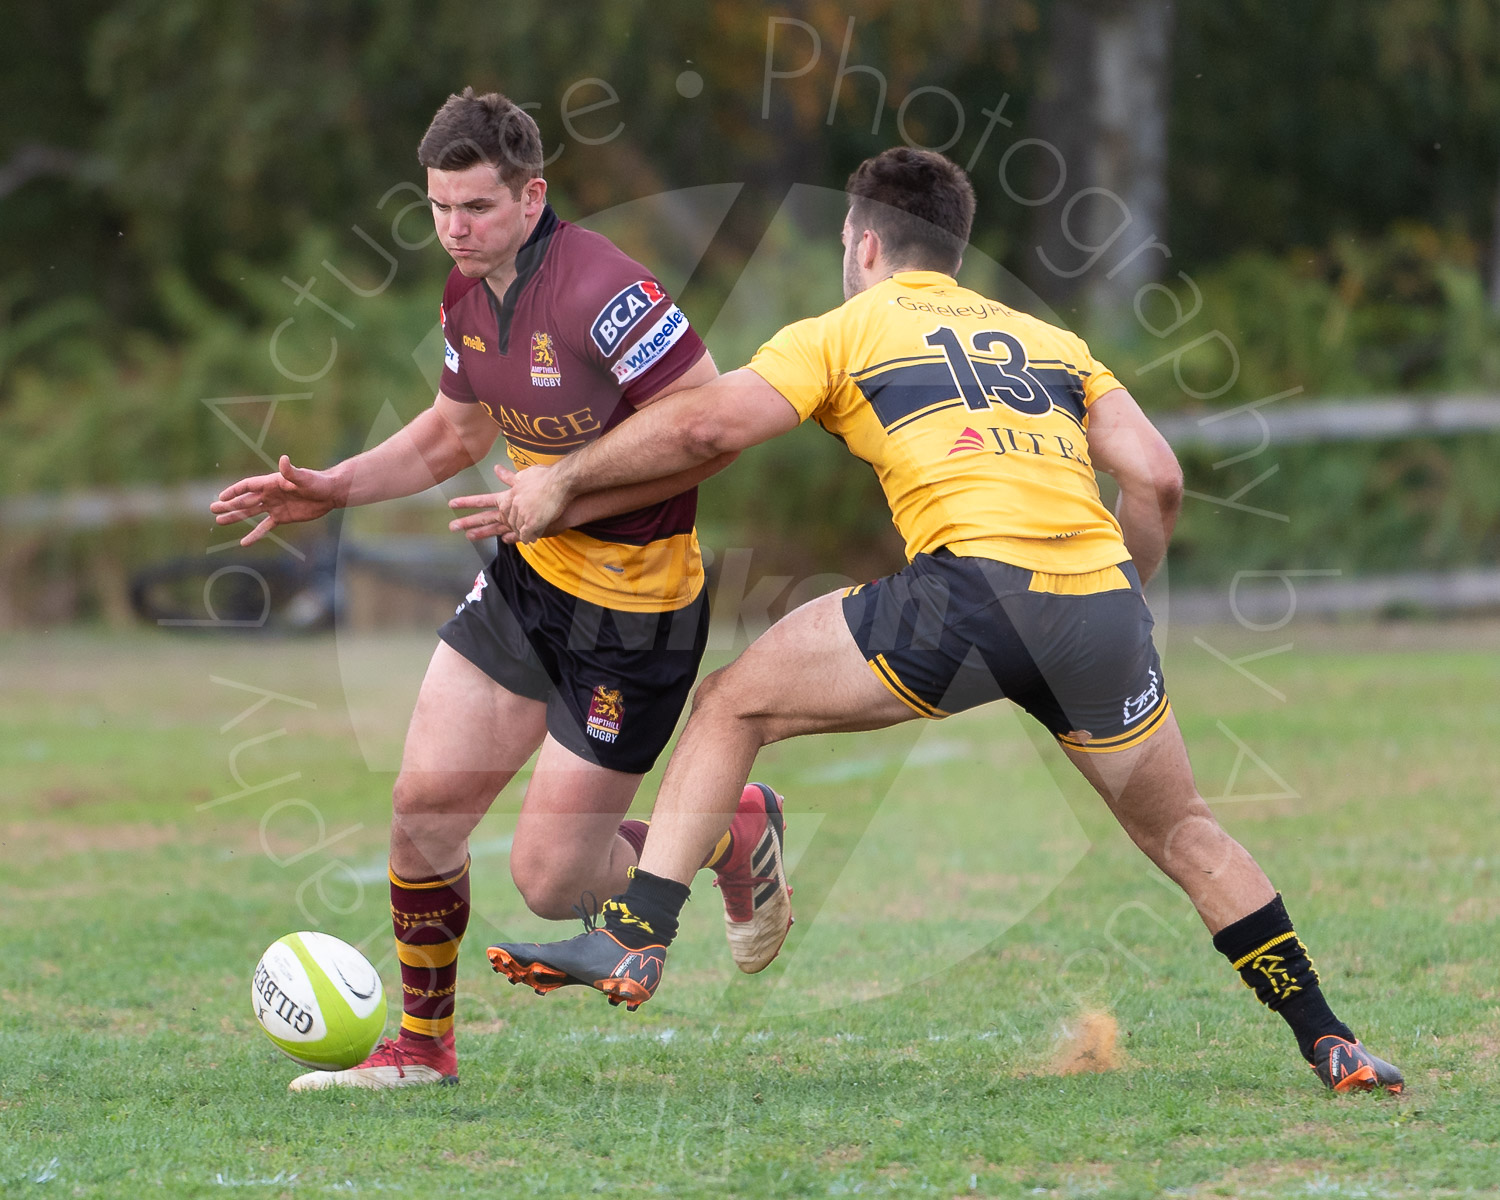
point(471, 129)
point(919, 203)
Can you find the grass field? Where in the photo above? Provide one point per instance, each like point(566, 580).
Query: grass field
point(962, 905)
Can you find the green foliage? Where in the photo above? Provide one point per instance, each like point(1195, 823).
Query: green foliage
point(1333, 178)
point(1400, 314)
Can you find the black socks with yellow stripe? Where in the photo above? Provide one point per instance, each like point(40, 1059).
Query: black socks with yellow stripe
point(646, 914)
point(1274, 964)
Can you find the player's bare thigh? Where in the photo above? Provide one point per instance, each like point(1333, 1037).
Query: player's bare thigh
point(803, 675)
point(467, 738)
point(567, 835)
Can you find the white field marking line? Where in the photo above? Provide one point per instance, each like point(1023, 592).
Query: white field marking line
point(375, 871)
point(921, 755)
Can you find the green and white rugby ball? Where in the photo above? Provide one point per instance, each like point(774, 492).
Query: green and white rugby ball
point(319, 1001)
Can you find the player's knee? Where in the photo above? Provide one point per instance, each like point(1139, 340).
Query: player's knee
point(712, 693)
point(416, 794)
point(546, 891)
point(723, 697)
point(419, 793)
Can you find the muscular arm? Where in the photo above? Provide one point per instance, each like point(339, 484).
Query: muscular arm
point(1124, 443)
point(436, 445)
point(675, 434)
point(603, 502)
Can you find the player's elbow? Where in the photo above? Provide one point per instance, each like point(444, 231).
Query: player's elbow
point(1166, 481)
point(706, 436)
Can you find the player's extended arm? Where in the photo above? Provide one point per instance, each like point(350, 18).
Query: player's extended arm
point(490, 520)
point(676, 434)
point(436, 445)
point(1124, 443)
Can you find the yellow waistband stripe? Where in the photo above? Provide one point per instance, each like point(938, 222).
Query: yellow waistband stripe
point(1088, 583)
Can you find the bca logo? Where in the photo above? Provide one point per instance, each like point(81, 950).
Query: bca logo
point(619, 316)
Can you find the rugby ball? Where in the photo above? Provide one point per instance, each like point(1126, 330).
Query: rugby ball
point(319, 1001)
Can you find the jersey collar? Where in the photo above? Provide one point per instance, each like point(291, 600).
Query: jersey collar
point(920, 279)
point(528, 262)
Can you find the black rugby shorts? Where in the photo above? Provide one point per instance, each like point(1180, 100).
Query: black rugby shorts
point(614, 682)
point(949, 633)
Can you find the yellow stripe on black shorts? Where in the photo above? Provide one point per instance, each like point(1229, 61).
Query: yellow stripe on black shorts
point(950, 632)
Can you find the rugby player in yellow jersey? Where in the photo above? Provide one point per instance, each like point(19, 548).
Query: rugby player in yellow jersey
point(985, 427)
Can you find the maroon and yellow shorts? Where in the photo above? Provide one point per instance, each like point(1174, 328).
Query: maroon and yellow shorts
point(1075, 651)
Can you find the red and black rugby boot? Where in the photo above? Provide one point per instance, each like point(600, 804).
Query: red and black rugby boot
point(752, 880)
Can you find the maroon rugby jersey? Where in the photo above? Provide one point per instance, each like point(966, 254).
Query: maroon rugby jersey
point(580, 338)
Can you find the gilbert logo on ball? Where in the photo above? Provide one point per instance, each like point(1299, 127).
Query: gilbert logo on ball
point(319, 1000)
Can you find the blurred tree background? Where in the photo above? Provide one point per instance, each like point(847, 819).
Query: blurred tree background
point(192, 194)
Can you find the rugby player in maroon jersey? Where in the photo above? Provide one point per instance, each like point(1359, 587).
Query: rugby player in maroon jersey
point(584, 644)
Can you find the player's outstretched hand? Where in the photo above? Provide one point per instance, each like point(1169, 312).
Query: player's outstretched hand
point(491, 521)
point(284, 497)
point(537, 500)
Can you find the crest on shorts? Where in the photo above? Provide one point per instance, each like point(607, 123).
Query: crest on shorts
point(476, 593)
point(544, 371)
point(606, 712)
point(1137, 708)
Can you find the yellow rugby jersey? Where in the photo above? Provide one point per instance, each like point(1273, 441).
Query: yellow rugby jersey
point(972, 414)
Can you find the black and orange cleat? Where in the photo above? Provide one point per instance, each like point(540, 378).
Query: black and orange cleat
point(594, 959)
point(1347, 1066)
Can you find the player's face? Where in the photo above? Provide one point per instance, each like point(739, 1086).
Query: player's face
point(480, 223)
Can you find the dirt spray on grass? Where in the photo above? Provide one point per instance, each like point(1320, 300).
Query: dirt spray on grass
point(1089, 1043)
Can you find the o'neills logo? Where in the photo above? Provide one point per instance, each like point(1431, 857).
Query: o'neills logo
point(606, 711)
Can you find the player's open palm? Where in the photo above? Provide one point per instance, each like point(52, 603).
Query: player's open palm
point(284, 497)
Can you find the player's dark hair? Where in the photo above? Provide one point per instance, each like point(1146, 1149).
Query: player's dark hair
point(919, 203)
point(471, 129)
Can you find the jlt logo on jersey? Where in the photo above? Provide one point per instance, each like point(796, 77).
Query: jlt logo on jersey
point(619, 316)
point(544, 369)
point(975, 377)
point(606, 714)
point(969, 439)
point(1004, 440)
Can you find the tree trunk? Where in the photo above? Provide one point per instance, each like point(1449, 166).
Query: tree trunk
point(1104, 110)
